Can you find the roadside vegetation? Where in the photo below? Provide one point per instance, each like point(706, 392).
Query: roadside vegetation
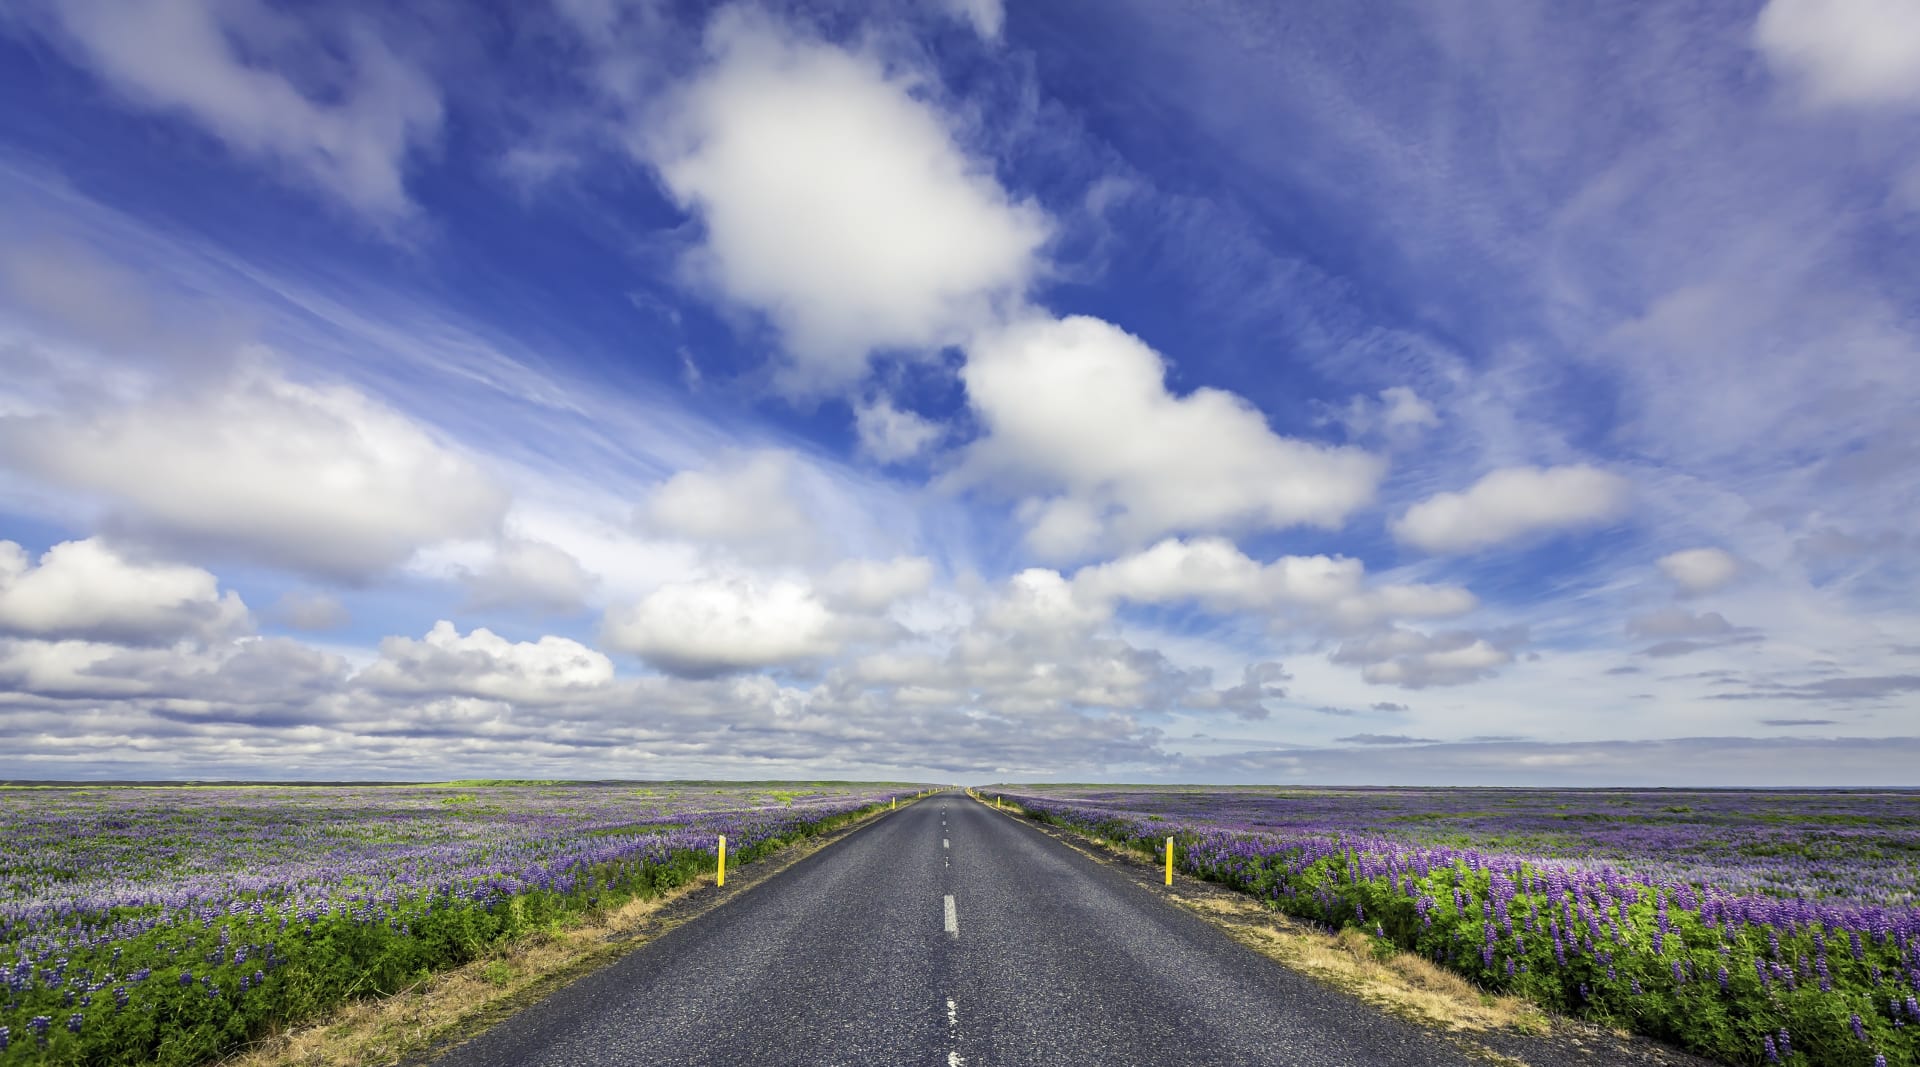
point(176, 925)
point(1747, 935)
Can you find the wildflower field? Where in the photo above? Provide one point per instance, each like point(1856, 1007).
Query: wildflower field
point(170, 924)
point(1752, 927)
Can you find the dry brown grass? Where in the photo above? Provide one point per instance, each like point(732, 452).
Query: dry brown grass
point(387, 1030)
point(1404, 984)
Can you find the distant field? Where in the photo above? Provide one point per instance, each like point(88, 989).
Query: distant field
point(167, 924)
point(1756, 927)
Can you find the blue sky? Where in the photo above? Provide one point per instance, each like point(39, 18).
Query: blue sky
point(1517, 394)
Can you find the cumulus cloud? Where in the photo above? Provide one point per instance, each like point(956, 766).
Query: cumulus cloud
point(1078, 417)
point(1844, 53)
point(1212, 571)
point(1513, 503)
point(714, 626)
point(746, 503)
point(89, 591)
point(346, 126)
point(485, 665)
point(1038, 602)
point(525, 573)
point(1259, 683)
point(837, 201)
point(874, 585)
point(891, 435)
point(1397, 412)
point(1675, 622)
point(1415, 660)
point(1699, 570)
point(316, 478)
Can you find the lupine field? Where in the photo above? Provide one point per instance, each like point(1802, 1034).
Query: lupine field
point(1751, 927)
point(169, 924)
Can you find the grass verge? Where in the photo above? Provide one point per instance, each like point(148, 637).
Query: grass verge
point(410, 1024)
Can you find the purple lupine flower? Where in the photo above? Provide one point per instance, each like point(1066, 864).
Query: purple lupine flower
point(186, 979)
point(1880, 1059)
point(1859, 1028)
point(1773, 1054)
point(74, 1021)
point(1723, 978)
point(1786, 1043)
point(6, 1035)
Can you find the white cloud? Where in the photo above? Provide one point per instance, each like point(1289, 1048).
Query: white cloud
point(836, 201)
point(874, 585)
point(319, 479)
point(1402, 409)
point(485, 665)
point(1513, 503)
point(304, 610)
point(986, 16)
point(1845, 52)
point(527, 573)
point(718, 625)
point(1414, 660)
point(1699, 570)
point(1038, 601)
point(1077, 412)
point(88, 591)
point(346, 126)
point(1399, 413)
point(1676, 622)
point(746, 503)
point(891, 435)
point(1213, 571)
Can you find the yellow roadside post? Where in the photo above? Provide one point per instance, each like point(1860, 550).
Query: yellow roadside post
point(892, 804)
point(722, 880)
point(1169, 861)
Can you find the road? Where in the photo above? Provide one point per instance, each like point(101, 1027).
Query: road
point(948, 935)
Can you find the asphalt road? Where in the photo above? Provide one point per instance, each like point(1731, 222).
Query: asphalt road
point(945, 934)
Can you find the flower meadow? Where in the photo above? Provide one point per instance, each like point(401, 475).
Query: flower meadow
point(1753, 927)
point(170, 924)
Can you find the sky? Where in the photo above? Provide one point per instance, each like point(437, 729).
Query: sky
point(1513, 393)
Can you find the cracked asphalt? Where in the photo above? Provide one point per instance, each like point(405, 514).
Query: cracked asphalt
point(945, 934)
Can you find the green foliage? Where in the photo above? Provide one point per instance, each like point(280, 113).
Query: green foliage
point(202, 999)
point(1625, 976)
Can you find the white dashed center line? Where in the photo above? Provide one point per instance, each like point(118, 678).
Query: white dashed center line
point(944, 843)
point(953, 1032)
point(953, 917)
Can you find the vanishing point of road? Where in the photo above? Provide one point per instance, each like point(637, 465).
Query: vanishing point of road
point(947, 935)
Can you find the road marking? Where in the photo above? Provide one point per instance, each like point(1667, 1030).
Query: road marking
point(944, 843)
point(953, 917)
point(953, 1030)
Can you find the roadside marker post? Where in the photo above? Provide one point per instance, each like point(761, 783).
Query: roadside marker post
point(892, 804)
point(1169, 861)
point(722, 880)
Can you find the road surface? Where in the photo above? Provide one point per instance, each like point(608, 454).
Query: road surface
point(947, 935)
